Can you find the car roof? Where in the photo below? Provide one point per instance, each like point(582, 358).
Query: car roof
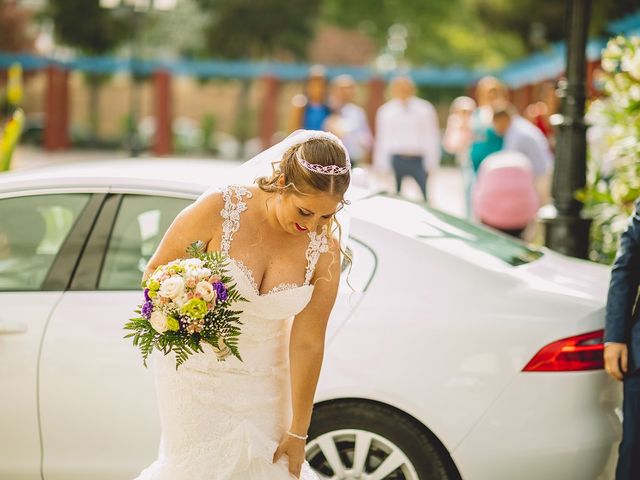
point(188, 176)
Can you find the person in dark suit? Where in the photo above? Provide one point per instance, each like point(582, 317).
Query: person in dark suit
point(622, 343)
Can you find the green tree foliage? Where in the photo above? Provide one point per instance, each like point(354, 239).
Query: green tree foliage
point(84, 25)
point(522, 15)
point(473, 33)
point(440, 32)
point(93, 30)
point(165, 33)
point(260, 28)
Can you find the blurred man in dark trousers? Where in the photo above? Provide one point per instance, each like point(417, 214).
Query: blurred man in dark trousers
point(407, 135)
point(622, 343)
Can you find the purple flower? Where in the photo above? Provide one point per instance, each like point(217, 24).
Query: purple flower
point(146, 295)
point(221, 290)
point(147, 308)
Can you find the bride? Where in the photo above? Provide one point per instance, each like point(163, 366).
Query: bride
point(248, 420)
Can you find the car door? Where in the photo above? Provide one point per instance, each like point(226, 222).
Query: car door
point(98, 408)
point(91, 371)
point(358, 268)
point(41, 236)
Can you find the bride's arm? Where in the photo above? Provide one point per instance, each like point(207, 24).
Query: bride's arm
point(195, 222)
point(306, 345)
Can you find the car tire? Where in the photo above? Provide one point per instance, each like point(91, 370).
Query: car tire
point(342, 424)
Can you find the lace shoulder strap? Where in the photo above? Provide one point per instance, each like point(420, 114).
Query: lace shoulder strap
point(234, 205)
point(318, 244)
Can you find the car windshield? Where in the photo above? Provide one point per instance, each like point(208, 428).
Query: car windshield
point(453, 234)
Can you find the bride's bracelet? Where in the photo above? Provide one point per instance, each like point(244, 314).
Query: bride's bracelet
point(299, 437)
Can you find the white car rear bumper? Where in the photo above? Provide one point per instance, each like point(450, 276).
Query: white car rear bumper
point(551, 426)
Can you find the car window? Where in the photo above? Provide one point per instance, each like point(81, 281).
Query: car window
point(32, 231)
point(140, 224)
point(501, 246)
point(441, 230)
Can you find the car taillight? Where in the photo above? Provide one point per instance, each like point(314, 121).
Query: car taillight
point(582, 352)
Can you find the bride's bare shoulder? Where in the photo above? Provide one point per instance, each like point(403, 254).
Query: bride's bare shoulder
point(205, 211)
point(209, 201)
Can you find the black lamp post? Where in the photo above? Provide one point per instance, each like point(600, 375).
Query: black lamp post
point(568, 232)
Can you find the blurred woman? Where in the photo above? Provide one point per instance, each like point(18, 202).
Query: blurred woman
point(457, 140)
point(310, 111)
point(489, 91)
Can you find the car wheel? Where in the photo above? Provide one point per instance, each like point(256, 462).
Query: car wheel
point(358, 440)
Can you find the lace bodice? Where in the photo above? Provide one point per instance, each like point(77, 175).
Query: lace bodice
point(234, 205)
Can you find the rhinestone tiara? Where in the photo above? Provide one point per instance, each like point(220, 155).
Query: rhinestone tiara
point(323, 169)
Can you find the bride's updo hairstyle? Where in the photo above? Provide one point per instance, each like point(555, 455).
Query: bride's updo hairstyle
point(324, 155)
point(322, 152)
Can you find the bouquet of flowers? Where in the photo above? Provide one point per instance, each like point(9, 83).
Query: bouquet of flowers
point(187, 302)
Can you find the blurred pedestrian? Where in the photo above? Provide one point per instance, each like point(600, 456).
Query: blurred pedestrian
point(504, 194)
point(457, 140)
point(522, 136)
point(539, 113)
point(348, 121)
point(407, 135)
point(622, 343)
point(489, 90)
point(310, 110)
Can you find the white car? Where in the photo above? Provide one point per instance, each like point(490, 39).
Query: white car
point(460, 353)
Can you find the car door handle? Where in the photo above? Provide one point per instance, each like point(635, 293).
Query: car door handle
point(10, 327)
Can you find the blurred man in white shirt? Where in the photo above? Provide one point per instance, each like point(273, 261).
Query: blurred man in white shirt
point(407, 135)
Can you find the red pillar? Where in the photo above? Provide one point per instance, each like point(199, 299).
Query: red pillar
point(56, 129)
point(376, 99)
point(269, 111)
point(162, 144)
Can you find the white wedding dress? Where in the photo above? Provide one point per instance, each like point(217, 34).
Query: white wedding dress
point(223, 420)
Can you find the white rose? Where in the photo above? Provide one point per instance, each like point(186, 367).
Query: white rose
point(203, 273)
point(192, 263)
point(181, 299)
point(171, 287)
point(206, 291)
point(197, 274)
point(158, 321)
point(634, 92)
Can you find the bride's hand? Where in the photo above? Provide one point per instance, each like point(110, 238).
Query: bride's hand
point(294, 449)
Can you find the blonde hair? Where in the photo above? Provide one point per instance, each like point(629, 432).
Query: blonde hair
point(298, 179)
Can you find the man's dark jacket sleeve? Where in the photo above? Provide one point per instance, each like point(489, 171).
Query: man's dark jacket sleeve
point(625, 280)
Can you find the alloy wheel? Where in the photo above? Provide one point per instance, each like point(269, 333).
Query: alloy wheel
point(352, 454)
